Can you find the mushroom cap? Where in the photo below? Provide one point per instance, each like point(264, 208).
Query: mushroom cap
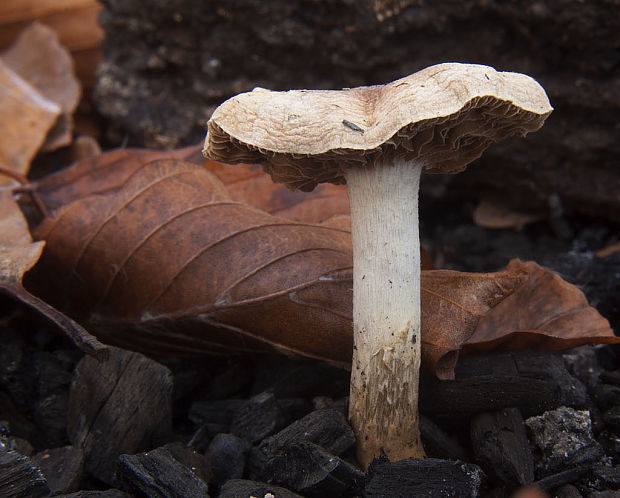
point(443, 117)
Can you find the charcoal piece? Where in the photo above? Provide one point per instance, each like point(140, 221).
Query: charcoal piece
point(50, 414)
point(108, 493)
point(227, 454)
point(294, 408)
point(169, 471)
point(340, 404)
point(203, 436)
point(242, 488)
point(37, 383)
point(19, 424)
point(562, 437)
point(500, 443)
point(20, 446)
point(12, 443)
point(564, 477)
point(612, 419)
point(423, 477)
point(437, 443)
point(257, 418)
point(17, 377)
point(606, 396)
point(611, 444)
point(54, 375)
point(567, 491)
point(611, 377)
point(19, 478)
point(327, 428)
point(583, 363)
point(62, 467)
point(606, 477)
point(312, 471)
point(121, 405)
point(214, 411)
point(612, 493)
point(534, 382)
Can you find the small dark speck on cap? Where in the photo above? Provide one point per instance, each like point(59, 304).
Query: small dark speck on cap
point(353, 126)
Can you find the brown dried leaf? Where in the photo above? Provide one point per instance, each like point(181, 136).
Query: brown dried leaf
point(75, 21)
point(17, 255)
point(38, 57)
point(245, 183)
point(452, 303)
point(157, 257)
point(25, 118)
point(169, 247)
point(544, 313)
point(497, 214)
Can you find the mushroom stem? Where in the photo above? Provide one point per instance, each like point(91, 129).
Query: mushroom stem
point(383, 405)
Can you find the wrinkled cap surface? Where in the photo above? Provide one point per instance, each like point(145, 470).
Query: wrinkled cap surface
point(444, 117)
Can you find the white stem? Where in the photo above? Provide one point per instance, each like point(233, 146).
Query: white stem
point(383, 405)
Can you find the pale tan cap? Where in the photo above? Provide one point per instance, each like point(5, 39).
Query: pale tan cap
point(444, 117)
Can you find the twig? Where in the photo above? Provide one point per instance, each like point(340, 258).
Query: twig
point(25, 187)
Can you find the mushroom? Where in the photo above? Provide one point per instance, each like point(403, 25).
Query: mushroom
point(379, 139)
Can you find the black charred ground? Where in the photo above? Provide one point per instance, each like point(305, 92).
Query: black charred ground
point(255, 426)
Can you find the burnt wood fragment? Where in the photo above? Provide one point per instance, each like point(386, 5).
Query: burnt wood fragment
point(535, 382)
point(227, 454)
point(326, 428)
point(561, 438)
point(214, 411)
point(204, 435)
point(257, 418)
point(312, 471)
point(242, 488)
point(612, 419)
point(294, 408)
point(611, 377)
point(500, 443)
point(606, 396)
point(19, 424)
point(437, 443)
point(19, 478)
point(564, 477)
point(567, 491)
point(62, 467)
point(167, 472)
point(9, 442)
point(121, 405)
point(423, 477)
point(606, 477)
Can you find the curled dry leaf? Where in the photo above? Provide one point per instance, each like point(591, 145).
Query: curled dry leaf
point(25, 118)
point(38, 57)
point(544, 313)
point(18, 253)
point(156, 256)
